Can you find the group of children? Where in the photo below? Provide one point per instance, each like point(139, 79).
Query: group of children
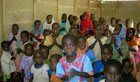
point(88, 51)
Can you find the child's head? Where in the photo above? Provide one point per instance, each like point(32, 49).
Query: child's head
point(70, 18)
point(130, 33)
point(73, 31)
point(46, 32)
point(5, 45)
point(85, 16)
point(29, 49)
point(55, 28)
point(15, 29)
point(101, 20)
point(106, 52)
point(24, 36)
point(118, 21)
point(113, 21)
point(92, 16)
point(107, 33)
point(138, 28)
point(112, 70)
point(37, 24)
point(38, 57)
point(117, 29)
point(99, 29)
point(49, 19)
point(64, 17)
point(69, 43)
point(81, 41)
point(127, 66)
point(54, 59)
point(45, 51)
point(129, 22)
point(75, 19)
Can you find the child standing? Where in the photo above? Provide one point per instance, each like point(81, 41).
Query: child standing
point(127, 68)
point(48, 22)
point(27, 62)
point(113, 23)
point(112, 71)
point(106, 54)
point(54, 41)
point(54, 59)
point(37, 33)
point(7, 61)
point(39, 70)
point(83, 49)
point(95, 42)
point(14, 37)
point(74, 67)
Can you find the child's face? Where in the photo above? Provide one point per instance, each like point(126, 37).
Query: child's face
point(84, 16)
point(55, 29)
point(29, 51)
point(45, 53)
point(81, 43)
point(130, 33)
point(6, 47)
point(113, 22)
point(112, 74)
point(92, 16)
point(117, 30)
point(105, 55)
point(49, 19)
point(53, 63)
point(46, 33)
point(38, 59)
point(99, 30)
point(37, 25)
point(24, 37)
point(74, 32)
point(71, 18)
point(15, 30)
point(64, 18)
point(69, 47)
point(127, 68)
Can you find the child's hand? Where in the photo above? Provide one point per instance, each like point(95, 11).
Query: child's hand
point(72, 73)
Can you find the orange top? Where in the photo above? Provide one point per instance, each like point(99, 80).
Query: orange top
point(54, 78)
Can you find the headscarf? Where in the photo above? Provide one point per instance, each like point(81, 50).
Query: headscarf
point(86, 24)
point(48, 27)
point(121, 35)
point(133, 40)
point(66, 25)
point(39, 30)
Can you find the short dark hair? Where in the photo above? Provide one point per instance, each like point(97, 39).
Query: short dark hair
point(56, 56)
point(36, 52)
point(4, 42)
point(81, 36)
point(29, 44)
point(113, 62)
point(108, 46)
point(55, 24)
point(127, 60)
point(25, 32)
point(69, 36)
point(44, 47)
point(112, 18)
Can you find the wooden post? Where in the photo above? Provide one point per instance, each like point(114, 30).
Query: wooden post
point(34, 10)
point(75, 7)
point(3, 20)
point(100, 4)
point(58, 9)
point(89, 6)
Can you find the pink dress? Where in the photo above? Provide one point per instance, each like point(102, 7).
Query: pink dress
point(137, 56)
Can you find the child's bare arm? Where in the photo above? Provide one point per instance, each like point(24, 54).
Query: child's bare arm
point(65, 78)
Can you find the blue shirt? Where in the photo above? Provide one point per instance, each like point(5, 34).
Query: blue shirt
point(98, 67)
point(91, 55)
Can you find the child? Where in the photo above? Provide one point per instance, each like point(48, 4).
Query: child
point(53, 42)
point(14, 37)
point(7, 61)
point(137, 56)
point(112, 71)
point(74, 31)
point(113, 23)
point(27, 62)
point(37, 33)
point(54, 59)
point(106, 54)
point(39, 70)
point(118, 42)
point(92, 17)
point(95, 43)
point(129, 23)
point(48, 22)
point(64, 24)
point(70, 18)
point(73, 67)
point(127, 68)
point(83, 49)
point(45, 52)
point(86, 23)
point(103, 22)
point(133, 45)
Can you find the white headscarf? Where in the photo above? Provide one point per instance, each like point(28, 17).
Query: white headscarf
point(48, 27)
